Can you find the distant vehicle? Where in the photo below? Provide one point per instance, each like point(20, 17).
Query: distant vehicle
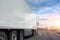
point(53, 28)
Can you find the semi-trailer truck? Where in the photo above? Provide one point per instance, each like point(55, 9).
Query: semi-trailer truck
point(15, 18)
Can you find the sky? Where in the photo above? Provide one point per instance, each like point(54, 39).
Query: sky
point(44, 6)
point(45, 10)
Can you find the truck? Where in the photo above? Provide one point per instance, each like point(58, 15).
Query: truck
point(15, 19)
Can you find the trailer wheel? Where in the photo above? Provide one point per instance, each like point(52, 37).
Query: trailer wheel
point(3, 36)
point(21, 35)
point(13, 35)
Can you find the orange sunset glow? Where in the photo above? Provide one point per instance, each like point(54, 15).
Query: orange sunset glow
point(54, 23)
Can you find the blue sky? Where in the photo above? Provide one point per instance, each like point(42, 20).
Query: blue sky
point(44, 6)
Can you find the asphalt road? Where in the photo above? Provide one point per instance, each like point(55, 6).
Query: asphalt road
point(45, 35)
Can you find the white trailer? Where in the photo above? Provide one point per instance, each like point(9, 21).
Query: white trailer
point(15, 17)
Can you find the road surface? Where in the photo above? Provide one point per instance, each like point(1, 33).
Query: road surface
point(45, 35)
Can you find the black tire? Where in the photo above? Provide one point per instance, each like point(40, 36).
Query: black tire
point(13, 35)
point(3, 35)
point(21, 35)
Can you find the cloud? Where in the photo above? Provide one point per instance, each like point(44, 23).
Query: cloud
point(42, 3)
point(48, 10)
point(45, 19)
point(46, 14)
